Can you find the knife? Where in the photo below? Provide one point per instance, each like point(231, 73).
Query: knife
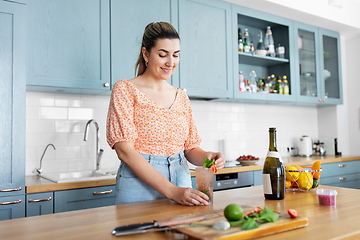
point(166, 222)
point(135, 227)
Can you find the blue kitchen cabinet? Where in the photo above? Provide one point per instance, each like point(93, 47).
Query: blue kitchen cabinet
point(206, 55)
point(68, 46)
point(39, 204)
point(330, 66)
point(282, 30)
point(12, 109)
point(318, 77)
point(258, 178)
point(77, 199)
point(341, 174)
point(128, 22)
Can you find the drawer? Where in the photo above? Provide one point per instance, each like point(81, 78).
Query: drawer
point(12, 207)
point(339, 178)
point(341, 168)
point(39, 204)
point(77, 199)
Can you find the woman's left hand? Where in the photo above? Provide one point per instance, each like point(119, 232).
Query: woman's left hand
point(219, 159)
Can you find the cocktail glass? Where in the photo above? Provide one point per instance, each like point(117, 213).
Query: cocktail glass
point(204, 181)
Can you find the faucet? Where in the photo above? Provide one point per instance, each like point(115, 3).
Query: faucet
point(99, 151)
point(39, 170)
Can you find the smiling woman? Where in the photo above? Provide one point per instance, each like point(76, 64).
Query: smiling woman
point(150, 125)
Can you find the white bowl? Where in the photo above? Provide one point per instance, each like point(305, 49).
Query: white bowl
point(260, 52)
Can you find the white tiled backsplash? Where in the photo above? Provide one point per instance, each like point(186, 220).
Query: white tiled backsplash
point(60, 119)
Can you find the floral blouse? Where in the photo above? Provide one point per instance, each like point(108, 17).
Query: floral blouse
point(134, 117)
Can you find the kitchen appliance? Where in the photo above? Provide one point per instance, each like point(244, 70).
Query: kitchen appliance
point(305, 146)
point(319, 148)
point(233, 180)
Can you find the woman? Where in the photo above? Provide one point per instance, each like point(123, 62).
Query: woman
point(151, 127)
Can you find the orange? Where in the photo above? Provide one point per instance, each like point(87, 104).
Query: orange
point(316, 166)
point(299, 167)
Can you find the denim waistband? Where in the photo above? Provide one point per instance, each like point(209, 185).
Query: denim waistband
point(166, 159)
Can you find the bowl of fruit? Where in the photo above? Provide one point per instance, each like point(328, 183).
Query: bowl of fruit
point(303, 178)
point(246, 160)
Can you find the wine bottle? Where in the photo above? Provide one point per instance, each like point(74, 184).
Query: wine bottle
point(273, 171)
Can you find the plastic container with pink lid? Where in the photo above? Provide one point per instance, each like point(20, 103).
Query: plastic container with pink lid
point(327, 197)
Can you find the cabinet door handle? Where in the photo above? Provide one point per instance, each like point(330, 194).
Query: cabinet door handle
point(102, 193)
point(12, 202)
point(11, 189)
point(342, 178)
point(342, 165)
point(106, 84)
point(40, 200)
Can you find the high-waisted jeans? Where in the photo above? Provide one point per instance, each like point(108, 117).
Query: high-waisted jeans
point(130, 188)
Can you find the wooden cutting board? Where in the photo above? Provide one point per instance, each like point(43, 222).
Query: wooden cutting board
point(284, 223)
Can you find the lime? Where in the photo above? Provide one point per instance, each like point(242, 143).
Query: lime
point(233, 212)
point(315, 183)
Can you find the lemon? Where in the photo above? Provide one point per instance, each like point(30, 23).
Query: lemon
point(305, 180)
point(233, 212)
point(292, 176)
point(287, 184)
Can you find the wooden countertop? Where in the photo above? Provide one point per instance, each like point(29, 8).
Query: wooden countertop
point(337, 222)
point(35, 184)
point(289, 161)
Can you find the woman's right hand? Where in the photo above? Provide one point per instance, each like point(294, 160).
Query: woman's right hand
point(189, 196)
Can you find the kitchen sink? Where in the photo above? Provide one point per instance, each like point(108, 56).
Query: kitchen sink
point(76, 176)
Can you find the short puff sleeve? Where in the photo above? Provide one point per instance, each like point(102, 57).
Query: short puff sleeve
point(120, 125)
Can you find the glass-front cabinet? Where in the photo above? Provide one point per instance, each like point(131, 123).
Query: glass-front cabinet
point(331, 84)
point(308, 67)
point(318, 68)
point(271, 71)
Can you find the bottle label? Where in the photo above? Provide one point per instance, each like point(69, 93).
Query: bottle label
point(274, 155)
point(267, 184)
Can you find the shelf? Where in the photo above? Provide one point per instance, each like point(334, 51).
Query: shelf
point(249, 59)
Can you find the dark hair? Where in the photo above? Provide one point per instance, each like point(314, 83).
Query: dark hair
point(153, 32)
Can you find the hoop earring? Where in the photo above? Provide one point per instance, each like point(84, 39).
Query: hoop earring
point(146, 63)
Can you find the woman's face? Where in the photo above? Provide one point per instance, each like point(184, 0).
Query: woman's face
point(163, 58)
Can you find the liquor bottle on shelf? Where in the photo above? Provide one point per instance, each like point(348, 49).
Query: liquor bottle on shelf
point(266, 88)
point(247, 41)
point(241, 82)
point(240, 41)
point(279, 86)
point(273, 174)
point(286, 86)
point(280, 51)
point(253, 87)
point(260, 45)
point(269, 43)
point(252, 49)
point(272, 84)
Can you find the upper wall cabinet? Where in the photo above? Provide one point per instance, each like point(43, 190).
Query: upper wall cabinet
point(318, 69)
point(205, 59)
point(68, 45)
point(128, 22)
point(331, 84)
point(12, 109)
point(277, 66)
